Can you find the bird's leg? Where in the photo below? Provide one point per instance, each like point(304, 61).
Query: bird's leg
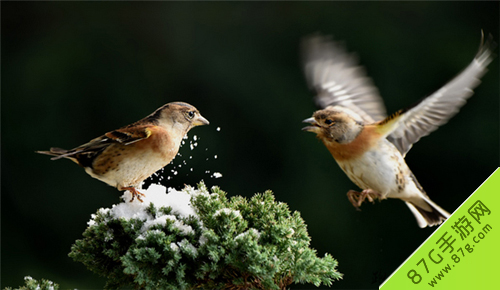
point(357, 198)
point(135, 193)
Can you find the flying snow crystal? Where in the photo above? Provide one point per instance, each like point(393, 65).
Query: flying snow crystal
point(176, 169)
point(216, 175)
point(192, 144)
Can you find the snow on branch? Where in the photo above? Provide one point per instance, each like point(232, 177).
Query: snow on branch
point(196, 238)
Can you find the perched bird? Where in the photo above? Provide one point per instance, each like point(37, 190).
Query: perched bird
point(123, 158)
point(369, 146)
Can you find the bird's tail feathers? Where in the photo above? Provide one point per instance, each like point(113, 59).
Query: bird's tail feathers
point(428, 218)
point(58, 153)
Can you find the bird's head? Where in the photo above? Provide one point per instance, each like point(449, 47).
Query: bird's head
point(178, 116)
point(335, 124)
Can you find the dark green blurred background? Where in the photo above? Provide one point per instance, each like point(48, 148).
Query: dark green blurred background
point(72, 71)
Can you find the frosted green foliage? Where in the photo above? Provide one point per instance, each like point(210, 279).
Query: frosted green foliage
point(220, 244)
point(32, 284)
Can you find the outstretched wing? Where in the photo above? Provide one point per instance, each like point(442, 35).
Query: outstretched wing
point(338, 80)
point(435, 110)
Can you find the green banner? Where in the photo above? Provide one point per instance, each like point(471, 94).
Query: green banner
point(463, 253)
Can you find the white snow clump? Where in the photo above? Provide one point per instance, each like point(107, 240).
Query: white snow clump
point(160, 196)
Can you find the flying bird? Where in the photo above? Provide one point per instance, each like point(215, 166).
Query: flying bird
point(123, 158)
point(368, 145)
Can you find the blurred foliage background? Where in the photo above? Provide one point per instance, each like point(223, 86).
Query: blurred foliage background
point(74, 70)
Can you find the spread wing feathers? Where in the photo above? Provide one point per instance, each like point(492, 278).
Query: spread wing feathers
point(435, 110)
point(126, 135)
point(337, 79)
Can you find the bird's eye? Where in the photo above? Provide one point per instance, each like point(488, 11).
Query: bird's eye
point(329, 122)
point(190, 114)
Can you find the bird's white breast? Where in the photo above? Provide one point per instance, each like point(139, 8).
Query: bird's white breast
point(381, 168)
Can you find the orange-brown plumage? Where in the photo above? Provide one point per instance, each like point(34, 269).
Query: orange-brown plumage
point(368, 146)
point(124, 157)
point(362, 143)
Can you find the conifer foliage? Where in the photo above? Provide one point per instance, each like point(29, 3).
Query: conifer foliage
point(210, 242)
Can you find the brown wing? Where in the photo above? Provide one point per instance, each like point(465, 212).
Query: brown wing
point(130, 134)
point(438, 108)
point(86, 153)
point(338, 80)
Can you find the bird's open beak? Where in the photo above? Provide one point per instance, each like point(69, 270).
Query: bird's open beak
point(200, 121)
point(314, 125)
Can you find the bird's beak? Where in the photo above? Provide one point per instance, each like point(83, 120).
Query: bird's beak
point(200, 121)
point(314, 125)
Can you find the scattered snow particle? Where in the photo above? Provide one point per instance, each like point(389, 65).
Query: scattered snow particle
point(215, 156)
point(195, 137)
point(218, 129)
point(217, 175)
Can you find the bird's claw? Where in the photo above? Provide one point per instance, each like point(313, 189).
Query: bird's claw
point(135, 193)
point(357, 198)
